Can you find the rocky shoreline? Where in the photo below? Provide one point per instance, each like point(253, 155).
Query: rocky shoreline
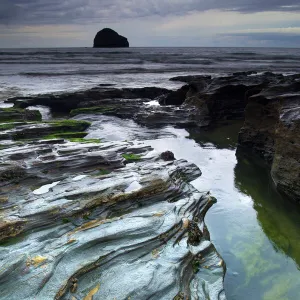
point(87, 219)
point(269, 103)
point(83, 217)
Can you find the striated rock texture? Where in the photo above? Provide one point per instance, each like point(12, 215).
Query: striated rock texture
point(103, 221)
point(270, 105)
point(124, 103)
point(108, 38)
point(272, 130)
point(268, 102)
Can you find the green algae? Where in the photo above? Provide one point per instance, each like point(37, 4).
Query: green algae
point(54, 130)
point(277, 217)
point(85, 141)
point(66, 135)
point(132, 157)
point(66, 220)
point(280, 287)
point(92, 110)
point(9, 115)
point(7, 126)
point(71, 125)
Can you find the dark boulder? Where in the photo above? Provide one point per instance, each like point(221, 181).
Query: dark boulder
point(108, 38)
point(176, 97)
point(167, 156)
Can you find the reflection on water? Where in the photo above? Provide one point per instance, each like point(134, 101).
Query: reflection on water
point(278, 217)
point(223, 136)
point(255, 230)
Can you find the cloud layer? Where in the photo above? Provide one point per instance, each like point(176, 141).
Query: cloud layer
point(28, 12)
point(50, 23)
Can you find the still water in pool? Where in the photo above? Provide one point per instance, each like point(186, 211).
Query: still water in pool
point(256, 231)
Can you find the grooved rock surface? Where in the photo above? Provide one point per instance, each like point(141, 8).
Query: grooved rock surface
point(104, 221)
point(108, 38)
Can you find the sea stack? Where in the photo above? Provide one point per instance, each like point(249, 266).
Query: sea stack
point(108, 38)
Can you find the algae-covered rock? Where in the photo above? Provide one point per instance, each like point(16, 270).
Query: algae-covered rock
point(17, 115)
point(52, 129)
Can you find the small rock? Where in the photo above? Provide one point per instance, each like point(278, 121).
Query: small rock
point(167, 156)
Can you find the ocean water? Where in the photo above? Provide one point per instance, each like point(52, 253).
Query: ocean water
point(256, 230)
point(33, 71)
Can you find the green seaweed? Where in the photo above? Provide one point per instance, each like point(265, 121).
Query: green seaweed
point(85, 141)
point(66, 135)
point(9, 115)
point(131, 157)
point(92, 110)
point(72, 125)
point(7, 126)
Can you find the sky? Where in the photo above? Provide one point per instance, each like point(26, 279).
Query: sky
point(157, 23)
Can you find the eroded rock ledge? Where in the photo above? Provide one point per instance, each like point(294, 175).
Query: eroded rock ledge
point(108, 220)
point(269, 104)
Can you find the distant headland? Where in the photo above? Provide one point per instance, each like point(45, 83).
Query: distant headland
point(108, 38)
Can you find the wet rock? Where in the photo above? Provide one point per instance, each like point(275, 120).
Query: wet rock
point(180, 296)
point(286, 162)
point(90, 230)
point(222, 98)
point(194, 234)
point(11, 173)
point(11, 228)
point(97, 96)
point(48, 130)
point(108, 38)
point(271, 130)
point(18, 115)
point(191, 78)
point(176, 97)
point(167, 156)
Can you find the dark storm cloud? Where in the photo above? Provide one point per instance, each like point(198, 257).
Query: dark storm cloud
point(90, 11)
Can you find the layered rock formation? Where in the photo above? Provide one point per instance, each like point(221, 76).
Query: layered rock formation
point(272, 129)
point(270, 105)
point(103, 220)
point(108, 38)
point(88, 219)
point(268, 102)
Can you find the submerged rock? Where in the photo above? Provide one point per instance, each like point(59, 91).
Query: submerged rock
point(108, 38)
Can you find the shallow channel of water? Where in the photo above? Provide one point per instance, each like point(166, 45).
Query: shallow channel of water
point(256, 231)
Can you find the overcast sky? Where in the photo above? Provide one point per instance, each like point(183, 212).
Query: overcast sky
point(69, 23)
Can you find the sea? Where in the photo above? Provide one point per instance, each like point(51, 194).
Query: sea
point(255, 230)
point(34, 71)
